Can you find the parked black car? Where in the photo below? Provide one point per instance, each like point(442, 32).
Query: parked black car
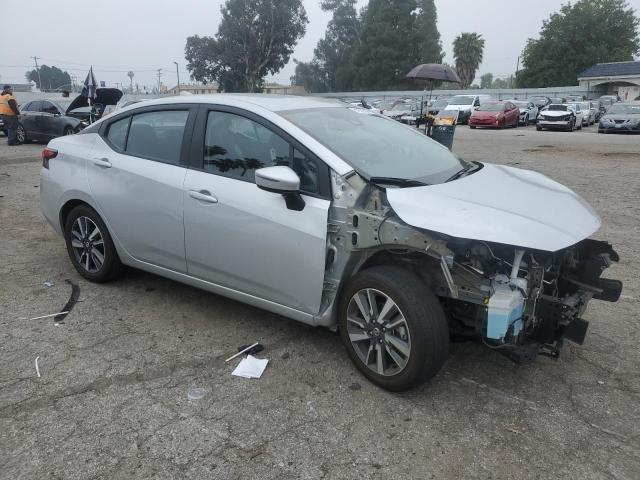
point(621, 118)
point(42, 120)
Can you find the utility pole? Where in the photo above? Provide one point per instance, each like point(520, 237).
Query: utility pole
point(35, 59)
point(159, 75)
point(517, 69)
point(178, 75)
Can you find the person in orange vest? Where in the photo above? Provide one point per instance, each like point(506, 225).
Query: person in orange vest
point(9, 111)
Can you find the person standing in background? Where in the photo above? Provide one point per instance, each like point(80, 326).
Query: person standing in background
point(9, 111)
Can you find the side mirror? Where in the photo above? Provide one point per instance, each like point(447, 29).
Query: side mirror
point(282, 180)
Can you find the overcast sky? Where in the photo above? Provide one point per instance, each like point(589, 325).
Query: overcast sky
point(144, 35)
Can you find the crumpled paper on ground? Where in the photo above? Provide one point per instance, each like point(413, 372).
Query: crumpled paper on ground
point(251, 367)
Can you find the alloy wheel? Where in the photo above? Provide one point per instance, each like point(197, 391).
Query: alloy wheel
point(87, 244)
point(20, 134)
point(378, 332)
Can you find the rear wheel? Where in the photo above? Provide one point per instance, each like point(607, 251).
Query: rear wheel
point(393, 328)
point(21, 134)
point(538, 128)
point(90, 246)
point(472, 126)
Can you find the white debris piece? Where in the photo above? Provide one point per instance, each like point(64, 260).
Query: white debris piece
point(251, 367)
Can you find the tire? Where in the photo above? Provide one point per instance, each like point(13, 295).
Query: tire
point(600, 131)
point(21, 135)
point(111, 266)
point(539, 129)
point(424, 327)
point(572, 126)
point(68, 131)
point(472, 127)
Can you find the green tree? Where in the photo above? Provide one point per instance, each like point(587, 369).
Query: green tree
point(311, 76)
point(576, 37)
point(255, 38)
point(52, 78)
point(468, 49)
point(395, 36)
point(331, 68)
point(486, 80)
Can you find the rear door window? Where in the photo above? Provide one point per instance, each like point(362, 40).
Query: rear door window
point(49, 107)
point(35, 106)
point(157, 135)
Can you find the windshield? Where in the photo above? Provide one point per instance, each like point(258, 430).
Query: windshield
point(491, 107)
point(376, 146)
point(624, 109)
point(461, 100)
point(558, 108)
point(440, 103)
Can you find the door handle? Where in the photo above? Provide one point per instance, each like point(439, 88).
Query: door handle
point(102, 162)
point(203, 196)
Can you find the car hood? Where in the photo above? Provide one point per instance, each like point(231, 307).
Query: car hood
point(622, 116)
point(499, 204)
point(479, 114)
point(104, 96)
point(557, 113)
point(460, 108)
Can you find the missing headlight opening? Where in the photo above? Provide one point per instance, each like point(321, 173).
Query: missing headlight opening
point(523, 302)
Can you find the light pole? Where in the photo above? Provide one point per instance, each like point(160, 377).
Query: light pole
point(178, 75)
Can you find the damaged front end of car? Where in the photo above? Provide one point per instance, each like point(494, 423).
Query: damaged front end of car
point(521, 301)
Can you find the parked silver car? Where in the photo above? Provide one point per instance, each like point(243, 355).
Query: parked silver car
point(334, 216)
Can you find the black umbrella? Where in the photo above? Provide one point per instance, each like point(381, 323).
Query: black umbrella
point(433, 72)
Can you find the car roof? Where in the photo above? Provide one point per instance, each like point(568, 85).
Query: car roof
point(271, 102)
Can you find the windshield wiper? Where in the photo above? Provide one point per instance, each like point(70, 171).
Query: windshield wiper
point(469, 169)
point(400, 182)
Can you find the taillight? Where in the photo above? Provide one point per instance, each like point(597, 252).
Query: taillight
point(48, 154)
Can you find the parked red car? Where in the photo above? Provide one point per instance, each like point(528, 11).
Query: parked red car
point(495, 114)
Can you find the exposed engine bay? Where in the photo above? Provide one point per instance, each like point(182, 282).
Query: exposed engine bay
point(521, 301)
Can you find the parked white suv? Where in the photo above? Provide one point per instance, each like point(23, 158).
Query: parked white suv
point(333, 216)
point(465, 104)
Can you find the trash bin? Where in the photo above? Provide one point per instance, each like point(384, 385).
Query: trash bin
point(443, 134)
point(444, 128)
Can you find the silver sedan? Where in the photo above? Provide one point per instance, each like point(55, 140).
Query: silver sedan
point(334, 216)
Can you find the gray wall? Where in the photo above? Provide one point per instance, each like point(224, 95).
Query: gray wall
point(519, 93)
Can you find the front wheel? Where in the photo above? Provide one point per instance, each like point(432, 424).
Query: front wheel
point(393, 328)
point(90, 246)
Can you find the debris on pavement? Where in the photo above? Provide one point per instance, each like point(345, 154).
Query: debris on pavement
point(244, 350)
point(196, 393)
point(35, 363)
point(249, 350)
point(47, 316)
point(48, 284)
point(251, 367)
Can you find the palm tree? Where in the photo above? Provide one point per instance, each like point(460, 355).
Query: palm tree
point(130, 74)
point(467, 51)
